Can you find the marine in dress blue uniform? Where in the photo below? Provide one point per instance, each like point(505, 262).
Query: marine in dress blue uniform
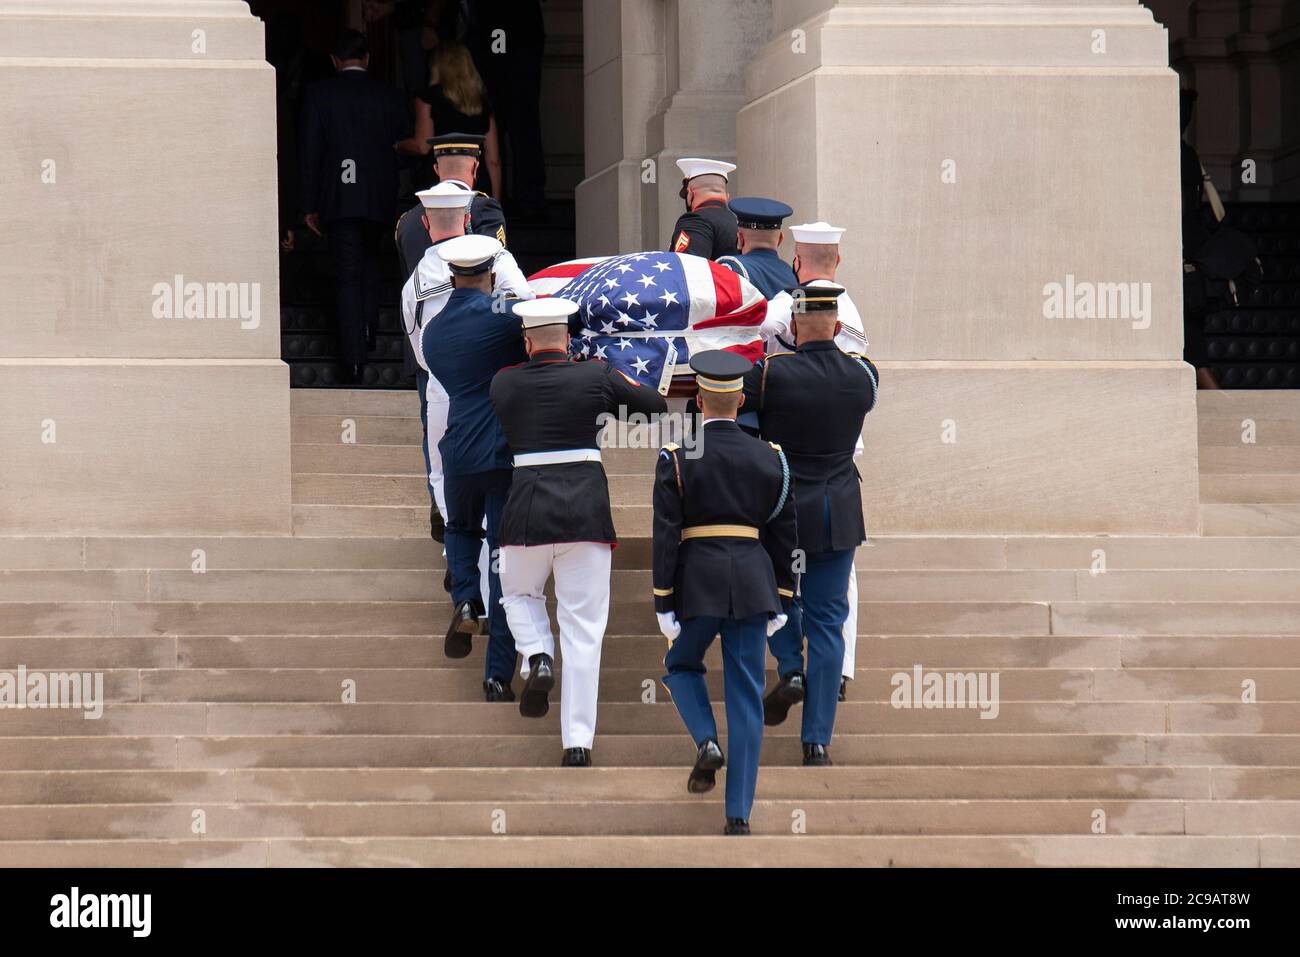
point(708, 227)
point(557, 520)
point(812, 403)
point(474, 339)
point(723, 563)
point(759, 221)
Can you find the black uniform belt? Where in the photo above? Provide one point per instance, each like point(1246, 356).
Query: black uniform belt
point(719, 531)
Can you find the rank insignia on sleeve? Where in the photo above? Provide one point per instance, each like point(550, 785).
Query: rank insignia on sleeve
point(501, 235)
point(683, 242)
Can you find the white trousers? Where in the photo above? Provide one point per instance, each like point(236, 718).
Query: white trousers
point(436, 418)
point(582, 594)
point(851, 627)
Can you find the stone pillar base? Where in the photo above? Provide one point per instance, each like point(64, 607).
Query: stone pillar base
point(976, 448)
point(144, 447)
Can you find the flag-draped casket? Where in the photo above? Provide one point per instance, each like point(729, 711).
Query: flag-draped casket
point(647, 313)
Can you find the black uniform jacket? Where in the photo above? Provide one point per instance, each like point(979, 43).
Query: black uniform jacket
point(812, 402)
point(709, 231)
point(730, 479)
point(550, 403)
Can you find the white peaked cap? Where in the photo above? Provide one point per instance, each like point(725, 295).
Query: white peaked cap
point(549, 311)
point(693, 166)
point(445, 196)
point(818, 234)
point(467, 252)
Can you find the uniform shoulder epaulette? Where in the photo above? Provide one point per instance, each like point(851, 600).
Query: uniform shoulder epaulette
point(775, 446)
point(670, 447)
point(777, 355)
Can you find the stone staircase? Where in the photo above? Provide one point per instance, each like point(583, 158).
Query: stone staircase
point(225, 740)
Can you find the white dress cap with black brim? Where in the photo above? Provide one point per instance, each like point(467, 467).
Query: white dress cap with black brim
point(817, 234)
point(548, 311)
point(469, 255)
point(693, 166)
point(444, 196)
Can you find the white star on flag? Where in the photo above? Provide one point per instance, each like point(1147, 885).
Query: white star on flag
point(669, 298)
point(631, 299)
point(640, 365)
point(646, 281)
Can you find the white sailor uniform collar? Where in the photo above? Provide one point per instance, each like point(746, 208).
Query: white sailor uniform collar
point(437, 278)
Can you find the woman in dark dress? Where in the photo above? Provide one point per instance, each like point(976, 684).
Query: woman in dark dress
point(455, 102)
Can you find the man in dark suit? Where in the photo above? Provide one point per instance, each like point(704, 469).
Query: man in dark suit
point(349, 180)
point(723, 557)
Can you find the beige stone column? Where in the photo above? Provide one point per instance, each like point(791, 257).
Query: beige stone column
point(998, 166)
point(139, 162)
point(623, 72)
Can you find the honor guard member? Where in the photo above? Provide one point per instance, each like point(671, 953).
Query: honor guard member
point(708, 227)
point(816, 260)
point(759, 236)
point(474, 338)
point(456, 159)
point(423, 297)
point(723, 562)
point(812, 402)
point(557, 519)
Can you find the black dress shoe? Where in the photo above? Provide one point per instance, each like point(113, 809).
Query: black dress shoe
point(467, 621)
point(576, 758)
point(707, 761)
point(437, 526)
point(736, 825)
point(534, 703)
point(495, 689)
point(789, 691)
point(844, 688)
point(816, 756)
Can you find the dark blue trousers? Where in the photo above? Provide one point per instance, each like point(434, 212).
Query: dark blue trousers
point(470, 499)
point(421, 385)
point(818, 615)
point(743, 663)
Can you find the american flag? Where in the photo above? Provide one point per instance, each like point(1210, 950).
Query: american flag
point(631, 306)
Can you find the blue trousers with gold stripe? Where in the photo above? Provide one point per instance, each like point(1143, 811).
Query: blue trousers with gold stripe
point(743, 660)
point(818, 615)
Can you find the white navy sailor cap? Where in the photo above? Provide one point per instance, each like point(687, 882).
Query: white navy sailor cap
point(445, 196)
point(548, 311)
point(693, 166)
point(817, 234)
point(469, 255)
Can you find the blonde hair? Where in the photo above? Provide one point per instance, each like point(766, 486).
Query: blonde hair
point(453, 70)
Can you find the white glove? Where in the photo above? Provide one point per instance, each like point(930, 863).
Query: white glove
point(776, 624)
point(668, 624)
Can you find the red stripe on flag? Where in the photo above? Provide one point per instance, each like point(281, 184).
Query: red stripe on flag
point(753, 351)
point(561, 271)
point(751, 316)
point(726, 287)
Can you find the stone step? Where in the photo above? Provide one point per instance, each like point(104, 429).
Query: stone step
point(350, 428)
point(382, 684)
point(1252, 459)
point(116, 752)
point(895, 553)
point(337, 459)
point(367, 521)
point(645, 652)
point(429, 618)
point(489, 721)
point(1252, 520)
point(1255, 403)
point(1252, 488)
point(803, 850)
point(388, 402)
point(1228, 431)
point(425, 584)
point(1175, 618)
point(416, 584)
point(682, 815)
point(298, 785)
